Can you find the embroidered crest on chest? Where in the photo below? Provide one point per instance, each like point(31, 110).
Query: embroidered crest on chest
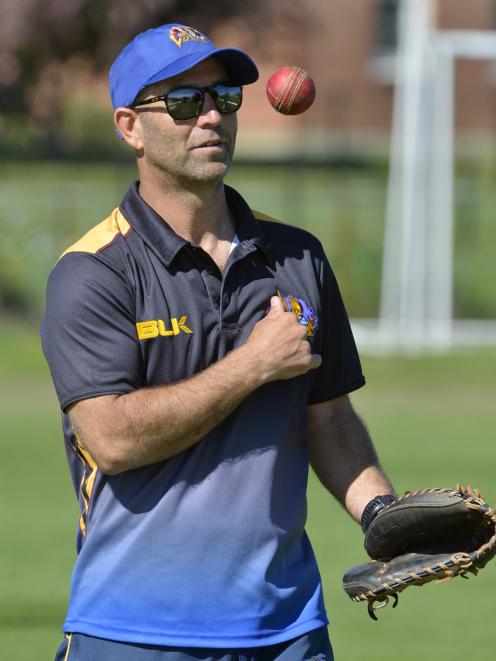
point(304, 313)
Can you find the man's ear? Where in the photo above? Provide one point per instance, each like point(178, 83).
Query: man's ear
point(127, 123)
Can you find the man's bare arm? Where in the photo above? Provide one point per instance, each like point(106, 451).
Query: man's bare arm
point(152, 424)
point(343, 457)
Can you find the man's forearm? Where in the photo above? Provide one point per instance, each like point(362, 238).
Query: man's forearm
point(371, 482)
point(153, 424)
point(343, 456)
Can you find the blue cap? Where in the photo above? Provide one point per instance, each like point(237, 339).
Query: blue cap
point(167, 51)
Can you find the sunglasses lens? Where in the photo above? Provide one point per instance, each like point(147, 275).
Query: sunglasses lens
point(184, 103)
point(227, 98)
point(187, 102)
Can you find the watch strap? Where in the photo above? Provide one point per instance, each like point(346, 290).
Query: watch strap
point(373, 508)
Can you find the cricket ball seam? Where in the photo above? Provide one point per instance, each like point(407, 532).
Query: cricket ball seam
point(286, 89)
point(286, 96)
point(301, 79)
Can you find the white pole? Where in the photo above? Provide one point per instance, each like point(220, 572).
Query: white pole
point(402, 301)
point(441, 248)
point(417, 284)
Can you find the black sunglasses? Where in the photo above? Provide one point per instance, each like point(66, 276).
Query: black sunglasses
point(187, 102)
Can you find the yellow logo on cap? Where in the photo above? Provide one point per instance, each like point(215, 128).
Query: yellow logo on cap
point(180, 35)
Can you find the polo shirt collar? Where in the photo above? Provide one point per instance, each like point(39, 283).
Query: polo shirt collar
point(151, 227)
point(161, 237)
point(247, 227)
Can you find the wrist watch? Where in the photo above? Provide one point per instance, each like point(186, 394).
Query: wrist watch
point(373, 508)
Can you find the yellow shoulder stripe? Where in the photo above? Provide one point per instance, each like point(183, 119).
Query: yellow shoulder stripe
point(101, 235)
point(262, 216)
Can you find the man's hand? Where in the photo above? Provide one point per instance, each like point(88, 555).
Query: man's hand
point(279, 345)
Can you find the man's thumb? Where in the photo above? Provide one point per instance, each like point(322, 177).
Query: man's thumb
point(276, 304)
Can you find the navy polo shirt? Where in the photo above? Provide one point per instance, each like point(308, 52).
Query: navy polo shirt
point(207, 548)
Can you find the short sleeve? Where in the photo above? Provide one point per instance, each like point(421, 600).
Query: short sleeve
point(88, 333)
point(340, 372)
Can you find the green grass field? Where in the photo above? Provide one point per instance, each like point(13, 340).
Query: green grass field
point(45, 207)
point(432, 418)
point(433, 422)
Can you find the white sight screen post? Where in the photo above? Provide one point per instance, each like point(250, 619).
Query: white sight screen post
point(416, 311)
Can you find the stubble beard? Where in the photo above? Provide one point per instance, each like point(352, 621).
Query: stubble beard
point(190, 171)
point(204, 173)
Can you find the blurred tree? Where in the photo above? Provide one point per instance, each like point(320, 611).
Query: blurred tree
point(48, 46)
point(54, 60)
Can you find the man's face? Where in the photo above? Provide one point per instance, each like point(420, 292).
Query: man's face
point(189, 151)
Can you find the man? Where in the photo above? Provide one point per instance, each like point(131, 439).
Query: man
point(202, 357)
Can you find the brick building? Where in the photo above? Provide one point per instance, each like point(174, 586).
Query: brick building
point(349, 46)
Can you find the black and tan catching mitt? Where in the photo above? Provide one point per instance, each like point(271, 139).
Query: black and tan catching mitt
point(423, 536)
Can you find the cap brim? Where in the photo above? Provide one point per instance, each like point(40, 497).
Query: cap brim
point(239, 66)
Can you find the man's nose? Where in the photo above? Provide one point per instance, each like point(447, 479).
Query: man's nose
point(210, 112)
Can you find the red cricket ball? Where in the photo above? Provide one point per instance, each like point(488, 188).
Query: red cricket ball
point(290, 90)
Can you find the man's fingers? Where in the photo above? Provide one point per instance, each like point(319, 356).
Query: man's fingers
point(315, 361)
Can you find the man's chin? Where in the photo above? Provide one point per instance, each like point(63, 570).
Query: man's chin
point(211, 172)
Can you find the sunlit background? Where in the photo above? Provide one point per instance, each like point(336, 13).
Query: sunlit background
point(393, 168)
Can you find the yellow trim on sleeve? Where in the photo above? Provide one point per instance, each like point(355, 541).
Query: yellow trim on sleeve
point(101, 235)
